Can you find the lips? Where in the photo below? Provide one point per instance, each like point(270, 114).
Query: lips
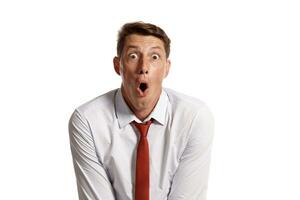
point(143, 86)
point(142, 89)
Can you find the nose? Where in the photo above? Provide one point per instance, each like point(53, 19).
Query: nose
point(143, 71)
point(144, 66)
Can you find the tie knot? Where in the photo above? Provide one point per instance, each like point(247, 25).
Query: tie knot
point(143, 128)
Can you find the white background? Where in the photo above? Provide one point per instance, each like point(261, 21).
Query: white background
point(241, 57)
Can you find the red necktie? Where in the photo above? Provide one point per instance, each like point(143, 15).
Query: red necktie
point(142, 178)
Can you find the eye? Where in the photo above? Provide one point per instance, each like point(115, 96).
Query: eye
point(133, 56)
point(155, 56)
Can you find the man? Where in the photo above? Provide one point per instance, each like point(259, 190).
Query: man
point(142, 141)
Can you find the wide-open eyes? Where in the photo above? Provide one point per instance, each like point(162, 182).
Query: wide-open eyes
point(133, 56)
point(155, 56)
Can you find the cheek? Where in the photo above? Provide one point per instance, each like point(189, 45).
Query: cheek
point(160, 71)
point(128, 77)
point(158, 76)
point(129, 68)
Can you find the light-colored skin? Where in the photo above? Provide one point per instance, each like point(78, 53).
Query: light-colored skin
point(143, 60)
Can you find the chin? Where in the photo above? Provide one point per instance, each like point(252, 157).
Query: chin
point(141, 106)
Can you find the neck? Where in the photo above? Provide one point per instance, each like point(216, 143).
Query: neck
point(141, 112)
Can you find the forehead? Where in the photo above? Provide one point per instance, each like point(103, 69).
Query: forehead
point(141, 41)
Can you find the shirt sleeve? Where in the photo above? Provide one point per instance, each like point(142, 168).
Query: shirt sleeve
point(92, 180)
point(191, 177)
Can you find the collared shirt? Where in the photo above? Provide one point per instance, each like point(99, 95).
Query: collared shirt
point(104, 142)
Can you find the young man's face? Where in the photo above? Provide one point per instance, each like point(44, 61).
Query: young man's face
point(143, 66)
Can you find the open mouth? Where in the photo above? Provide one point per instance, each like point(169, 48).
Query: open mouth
point(143, 87)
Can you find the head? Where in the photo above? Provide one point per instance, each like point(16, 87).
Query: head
point(142, 62)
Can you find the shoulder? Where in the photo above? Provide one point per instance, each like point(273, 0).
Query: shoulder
point(100, 105)
point(183, 101)
point(187, 106)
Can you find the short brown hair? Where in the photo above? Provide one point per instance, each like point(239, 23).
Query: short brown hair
point(142, 28)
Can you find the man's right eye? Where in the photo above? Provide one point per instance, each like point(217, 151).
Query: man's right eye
point(133, 56)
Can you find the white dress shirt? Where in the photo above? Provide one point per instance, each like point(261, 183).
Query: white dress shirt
point(104, 141)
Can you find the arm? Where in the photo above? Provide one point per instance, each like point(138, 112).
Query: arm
point(92, 180)
point(191, 178)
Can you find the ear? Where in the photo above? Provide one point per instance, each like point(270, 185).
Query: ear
point(167, 67)
point(116, 62)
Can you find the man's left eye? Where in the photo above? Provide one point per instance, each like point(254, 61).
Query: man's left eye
point(155, 56)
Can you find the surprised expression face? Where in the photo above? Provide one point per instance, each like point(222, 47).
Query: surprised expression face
point(142, 66)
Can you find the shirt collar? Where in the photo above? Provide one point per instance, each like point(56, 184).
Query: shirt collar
point(126, 116)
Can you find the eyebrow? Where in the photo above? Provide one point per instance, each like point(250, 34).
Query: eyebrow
point(136, 47)
point(157, 47)
point(132, 47)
